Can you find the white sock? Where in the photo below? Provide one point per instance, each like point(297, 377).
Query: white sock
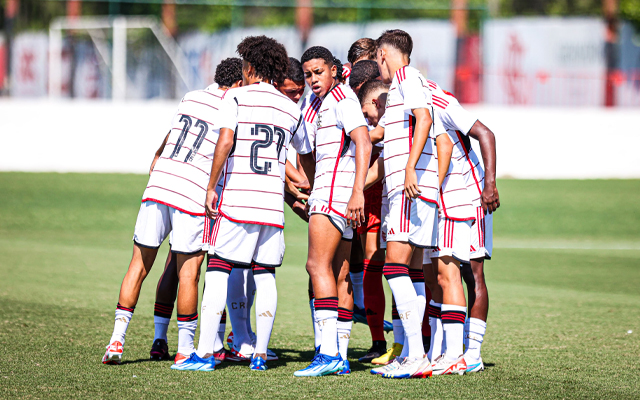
point(251, 294)
point(437, 336)
point(408, 308)
point(123, 317)
point(266, 306)
point(161, 326)
point(317, 329)
point(453, 318)
point(214, 299)
point(477, 329)
point(344, 334)
point(327, 317)
point(219, 343)
point(465, 340)
point(358, 288)
point(186, 332)
point(237, 310)
point(422, 299)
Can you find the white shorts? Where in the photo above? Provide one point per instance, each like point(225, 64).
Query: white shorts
point(155, 221)
point(412, 220)
point(342, 225)
point(384, 214)
point(453, 240)
point(243, 244)
point(482, 235)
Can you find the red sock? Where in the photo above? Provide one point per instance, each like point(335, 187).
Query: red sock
point(374, 301)
point(426, 328)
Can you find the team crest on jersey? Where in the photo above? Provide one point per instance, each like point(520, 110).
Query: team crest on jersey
point(319, 123)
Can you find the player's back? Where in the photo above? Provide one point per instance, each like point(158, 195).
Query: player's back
point(181, 174)
point(255, 170)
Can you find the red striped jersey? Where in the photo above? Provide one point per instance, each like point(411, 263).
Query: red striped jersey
point(456, 201)
point(408, 91)
point(181, 174)
point(458, 123)
point(340, 113)
point(310, 107)
point(265, 122)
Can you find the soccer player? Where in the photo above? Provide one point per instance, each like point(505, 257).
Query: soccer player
point(228, 75)
point(361, 49)
point(362, 72)
point(172, 204)
point(336, 205)
point(412, 178)
point(257, 126)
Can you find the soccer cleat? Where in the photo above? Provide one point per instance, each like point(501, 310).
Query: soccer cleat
point(230, 340)
point(346, 368)
point(378, 348)
point(258, 364)
point(234, 355)
point(113, 355)
point(180, 358)
point(410, 367)
point(474, 365)
point(220, 355)
point(442, 366)
point(317, 351)
point(159, 350)
point(387, 326)
point(387, 368)
point(359, 315)
point(321, 365)
point(271, 356)
point(389, 356)
point(195, 363)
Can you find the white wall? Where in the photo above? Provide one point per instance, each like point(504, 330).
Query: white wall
point(97, 136)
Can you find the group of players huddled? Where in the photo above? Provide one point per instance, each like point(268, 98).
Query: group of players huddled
point(386, 179)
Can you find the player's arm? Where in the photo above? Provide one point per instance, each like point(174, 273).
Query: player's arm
point(376, 134)
point(444, 147)
point(490, 198)
point(375, 174)
point(420, 136)
point(159, 152)
point(355, 206)
point(308, 163)
point(223, 148)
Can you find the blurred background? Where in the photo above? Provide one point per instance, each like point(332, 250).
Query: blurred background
point(548, 75)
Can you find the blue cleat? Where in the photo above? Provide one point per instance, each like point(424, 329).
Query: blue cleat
point(360, 317)
point(388, 326)
point(195, 363)
point(258, 364)
point(317, 351)
point(346, 368)
point(321, 365)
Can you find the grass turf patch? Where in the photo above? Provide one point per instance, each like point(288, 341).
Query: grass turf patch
point(557, 325)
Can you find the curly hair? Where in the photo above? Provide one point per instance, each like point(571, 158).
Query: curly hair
point(267, 56)
point(322, 53)
point(398, 39)
point(228, 71)
point(363, 71)
point(295, 70)
point(364, 48)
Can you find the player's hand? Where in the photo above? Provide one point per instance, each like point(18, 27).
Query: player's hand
point(304, 185)
point(355, 209)
point(411, 183)
point(307, 208)
point(301, 210)
point(210, 204)
point(490, 198)
point(293, 188)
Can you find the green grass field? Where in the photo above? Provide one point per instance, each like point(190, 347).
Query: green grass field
point(564, 283)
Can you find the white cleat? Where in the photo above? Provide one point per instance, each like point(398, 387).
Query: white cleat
point(410, 368)
point(474, 365)
point(387, 368)
point(444, 366)
point(114, 354)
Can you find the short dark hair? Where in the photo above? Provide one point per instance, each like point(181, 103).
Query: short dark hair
point(363, 71)
point(365, 47)
point(295, 70)
point(228, 72)
point(370, 87)
point(267, 56)
point(323, 53)
point(398, 39)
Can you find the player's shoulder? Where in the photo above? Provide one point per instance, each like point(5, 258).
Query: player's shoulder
point(341, 92)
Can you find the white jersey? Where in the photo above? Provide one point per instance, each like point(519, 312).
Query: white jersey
point(385, 192)
point(181, 175)
point(408, 91)
point(340, 113)
point(265, 123)
point(458, 123)
point(310, 107)
point(455, 200)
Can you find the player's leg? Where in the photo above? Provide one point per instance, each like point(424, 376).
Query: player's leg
point(166, 293)
point(346, 294)
point(435, 321)
point(356, 273)
point(251, 294)
point(152, 227)
point(417, 278)
point(374, 298)
point(238, 311)
point(324, 239)
point(317, 328)
point(189, 275)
